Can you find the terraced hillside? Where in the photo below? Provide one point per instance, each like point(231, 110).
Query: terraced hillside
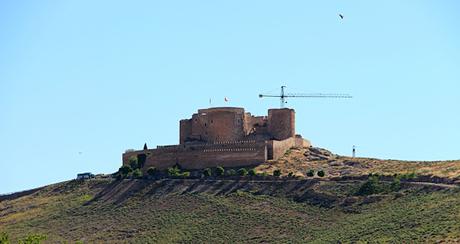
point(224, 210)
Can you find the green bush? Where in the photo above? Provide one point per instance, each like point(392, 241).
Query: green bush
point(263, 174)
point(174, 171)
point(252, 172)
point(395, 185)
point(320, 173)
point(310, 173)
point(277, 173)
point(4, 238)
point(133, 162)
point(207, 172)
point(231, 172)
point(125, 170)
point(185, 174)
point(408, 176)
point(371, 186)
point(33, 239)
point(137, 173)
point(242, 172)
point(220, 171)
point(152, 171)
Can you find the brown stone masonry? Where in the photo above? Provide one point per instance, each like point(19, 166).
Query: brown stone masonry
point(227, 137)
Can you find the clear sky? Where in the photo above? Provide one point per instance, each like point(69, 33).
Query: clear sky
point(81, 81)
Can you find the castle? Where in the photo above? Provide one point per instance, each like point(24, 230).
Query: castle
point(227, 137)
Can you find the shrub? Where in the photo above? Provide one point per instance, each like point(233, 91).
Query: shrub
point(252, 172)
point(207, 172)
point(242, 172)
point(152, 171)
point(133, 162)
point(320, 173)
point(290, 174)
point(408, 176)
point(277, 173)
point(231, 172)
point(395, 185)
point(371, 186)
point(220, 171)
point(33, 239)
point(137, 173)
point(263, 174)
point(174, 171)
point(310, 173)
point(125, 170)
point(4, 238)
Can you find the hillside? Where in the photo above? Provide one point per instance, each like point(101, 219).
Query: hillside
point(260, 209)
point(300, 160)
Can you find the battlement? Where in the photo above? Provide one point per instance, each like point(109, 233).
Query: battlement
point(234, 124)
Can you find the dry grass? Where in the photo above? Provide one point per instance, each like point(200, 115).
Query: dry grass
point(296, 162)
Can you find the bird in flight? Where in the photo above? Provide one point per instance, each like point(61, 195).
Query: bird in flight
point(341, 16)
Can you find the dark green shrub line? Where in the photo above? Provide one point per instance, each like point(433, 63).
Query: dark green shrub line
point(374, 186)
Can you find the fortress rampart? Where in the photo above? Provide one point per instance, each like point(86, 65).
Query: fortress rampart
point(226, 137)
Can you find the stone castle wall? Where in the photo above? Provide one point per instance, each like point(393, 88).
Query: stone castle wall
point(198, 156)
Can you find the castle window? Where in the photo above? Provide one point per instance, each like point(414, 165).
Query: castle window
point(212, 121)
point(204, 124)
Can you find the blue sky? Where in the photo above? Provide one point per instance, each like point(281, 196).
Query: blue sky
point(99, 77)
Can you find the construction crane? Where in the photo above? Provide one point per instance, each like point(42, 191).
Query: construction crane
point(284, 95)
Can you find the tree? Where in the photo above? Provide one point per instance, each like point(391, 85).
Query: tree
point(125, 170)
point(220, 171)
point(231, 172)
point(277, 173)
point(242, 172)
point(207, 172)
point(137, 173)
point(321, 173)
point(152, 171)
point(133, 162)
point(310, 173)
point(174, 171)
point(252, 172)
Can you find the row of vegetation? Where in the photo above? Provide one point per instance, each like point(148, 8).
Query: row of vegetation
point(375, 185)
point(133, 170)
point(30, 239)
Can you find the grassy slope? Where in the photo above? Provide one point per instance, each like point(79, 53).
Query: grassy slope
point(102, 210)
point(295, 161)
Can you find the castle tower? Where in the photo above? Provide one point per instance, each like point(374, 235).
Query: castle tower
point(281, 123)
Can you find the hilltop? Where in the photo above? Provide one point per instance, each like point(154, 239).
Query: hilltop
point(424, 208)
